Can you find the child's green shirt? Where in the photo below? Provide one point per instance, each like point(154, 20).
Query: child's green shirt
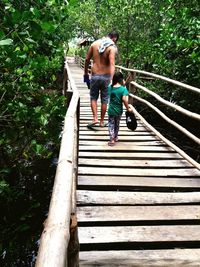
point(115, 103)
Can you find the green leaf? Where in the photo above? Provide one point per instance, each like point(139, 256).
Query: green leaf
point(30, 40)
point(3, 186)
point(43, 120)
point(6, 42)
point(48, 26)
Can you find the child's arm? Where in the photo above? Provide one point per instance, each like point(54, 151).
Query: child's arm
point(125, 101)
point(126, 104)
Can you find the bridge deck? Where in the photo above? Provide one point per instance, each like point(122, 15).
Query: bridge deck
point(137, 202)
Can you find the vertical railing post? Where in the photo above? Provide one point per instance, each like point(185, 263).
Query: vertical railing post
point(131, 87)
point(73, 247)
point(65, 82)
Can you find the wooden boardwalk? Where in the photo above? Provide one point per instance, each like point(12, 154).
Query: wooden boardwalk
point(138, 203)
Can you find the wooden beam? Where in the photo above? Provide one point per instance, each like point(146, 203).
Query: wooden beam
point(135, 198)
point(141, 258)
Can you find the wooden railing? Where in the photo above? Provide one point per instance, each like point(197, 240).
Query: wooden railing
point(132, 74)
point(57, 240)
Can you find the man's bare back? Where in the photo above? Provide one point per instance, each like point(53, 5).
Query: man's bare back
point(102, 63)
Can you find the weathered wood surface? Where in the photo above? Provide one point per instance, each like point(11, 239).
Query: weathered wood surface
point(103, 134)
point(158, 233)
point(138, 213)
point(137, 182)
point(137, 202)
point(129, 155)
point(134, 163)
point(135, 198)
point(138, 258)
point(123, 147)
point(129, 144)
point(139, 171)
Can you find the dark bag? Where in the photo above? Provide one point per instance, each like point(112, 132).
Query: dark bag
point(131, 121)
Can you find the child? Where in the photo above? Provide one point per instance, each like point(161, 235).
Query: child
point(118, 95)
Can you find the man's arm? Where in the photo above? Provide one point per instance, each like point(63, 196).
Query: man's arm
point(87, 60)
point(111, 57)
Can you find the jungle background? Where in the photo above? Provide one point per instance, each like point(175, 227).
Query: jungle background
point(162, 37)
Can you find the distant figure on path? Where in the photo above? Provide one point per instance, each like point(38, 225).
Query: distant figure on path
point(103, 52)
point(118, 96)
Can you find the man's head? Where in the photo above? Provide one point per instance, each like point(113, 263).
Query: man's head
point(114, 36)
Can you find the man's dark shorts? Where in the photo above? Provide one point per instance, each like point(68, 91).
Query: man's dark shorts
point(99, 83)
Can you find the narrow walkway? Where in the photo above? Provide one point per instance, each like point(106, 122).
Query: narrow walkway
point(137, 202)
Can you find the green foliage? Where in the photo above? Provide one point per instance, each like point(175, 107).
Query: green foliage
point(179, 40)
point(30, 63)
point(156, 36)
point(31, 115)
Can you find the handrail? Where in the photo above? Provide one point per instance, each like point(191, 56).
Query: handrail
point(132, 82)
point(80, 61)
point(186, 86)
point(168, 103)
point(53, 250)
point(168, 142)
point(186, 132)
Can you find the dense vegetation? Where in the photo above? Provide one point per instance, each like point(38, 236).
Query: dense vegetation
point(31, 114)
point(157, 36)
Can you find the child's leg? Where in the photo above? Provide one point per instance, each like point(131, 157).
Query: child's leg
point(116, 129)
point(111, 129)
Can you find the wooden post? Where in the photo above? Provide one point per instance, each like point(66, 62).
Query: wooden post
point(65, 82)
point(131, 87)
point(73, 247)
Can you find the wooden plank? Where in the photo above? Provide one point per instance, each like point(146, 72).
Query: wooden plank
point(122, 129)
point(122, 132)
point(122, 124)
point(85, 121)
point(141, 258)
point(127, 154)
point(122, 147)
point(137, 213)
point(88, 133)
point(121, 138)
point(138, 181)
point(134, 163)
point(139, 171)
point(86, 117)
point(161, 233)
point(120, 144)
point(135, 198)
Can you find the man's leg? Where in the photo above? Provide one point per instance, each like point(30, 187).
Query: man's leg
point(103, 112)
point(104, 97)
point(93, 104)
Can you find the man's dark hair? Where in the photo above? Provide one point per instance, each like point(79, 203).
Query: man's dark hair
point(113, 34)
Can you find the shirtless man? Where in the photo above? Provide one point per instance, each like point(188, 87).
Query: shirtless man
point(103, 53)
